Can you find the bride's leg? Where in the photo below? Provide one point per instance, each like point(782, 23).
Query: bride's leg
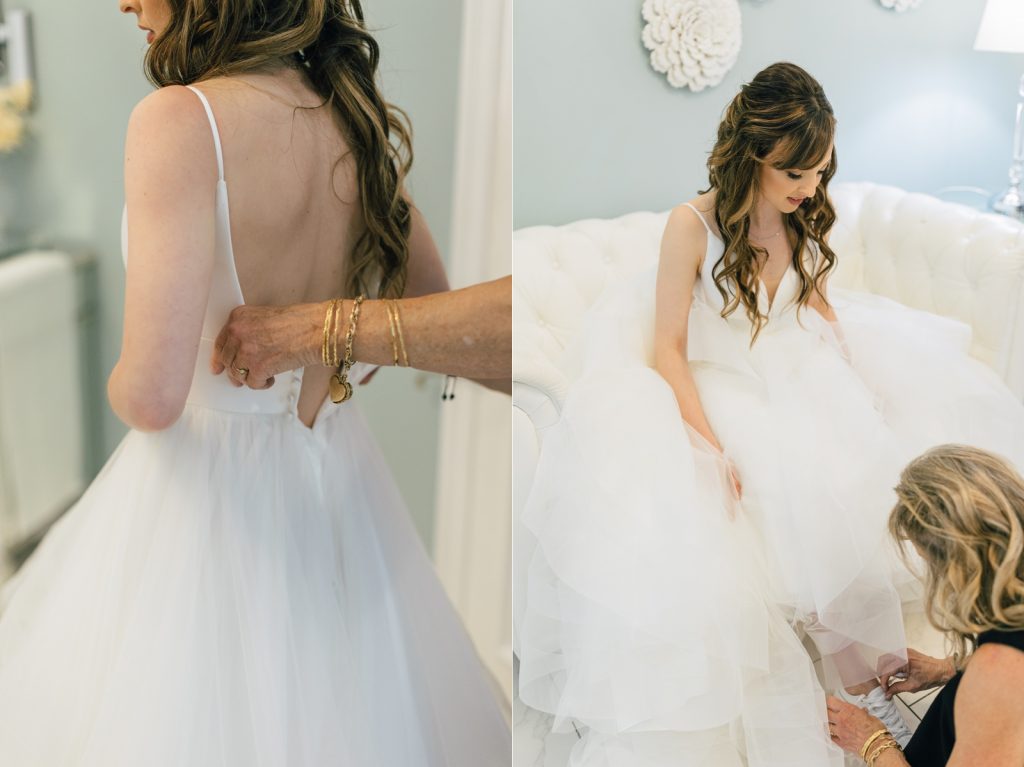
point(852, 668)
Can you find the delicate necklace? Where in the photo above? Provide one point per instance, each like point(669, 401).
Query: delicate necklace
point(761, 237)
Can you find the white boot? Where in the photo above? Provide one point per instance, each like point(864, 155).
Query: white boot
point(876, 704)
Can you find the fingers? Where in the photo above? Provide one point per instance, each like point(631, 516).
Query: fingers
point(237, 374)
point(228, 352)
point(216, 365)
point(904, 685)
point(258, 381)
point(228, 357)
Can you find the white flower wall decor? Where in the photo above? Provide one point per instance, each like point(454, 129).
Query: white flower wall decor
point(900, 5)
point(693, 42)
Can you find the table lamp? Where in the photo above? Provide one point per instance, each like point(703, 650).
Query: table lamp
point(1002, 30)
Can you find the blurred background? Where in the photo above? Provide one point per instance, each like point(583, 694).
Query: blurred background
point(448, 64)
point(917, 106)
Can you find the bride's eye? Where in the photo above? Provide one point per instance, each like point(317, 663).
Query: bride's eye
point(793, 175)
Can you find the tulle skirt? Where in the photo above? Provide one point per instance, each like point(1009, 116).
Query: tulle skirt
point(660, 609)
point(239, 591)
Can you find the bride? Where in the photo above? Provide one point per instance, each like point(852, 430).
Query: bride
point(722, 471)
point(241, 584)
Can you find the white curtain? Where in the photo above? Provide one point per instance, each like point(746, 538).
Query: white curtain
point(473, 534)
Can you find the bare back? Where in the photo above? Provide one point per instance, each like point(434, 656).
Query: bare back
point(295, 212)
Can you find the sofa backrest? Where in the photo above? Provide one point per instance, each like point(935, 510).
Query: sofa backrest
point(941, 257)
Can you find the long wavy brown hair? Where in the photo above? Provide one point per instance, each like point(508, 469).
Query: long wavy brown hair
point(780, 117)
point(329, 41)
point(963, 509)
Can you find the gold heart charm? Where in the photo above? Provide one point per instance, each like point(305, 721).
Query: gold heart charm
point(340, 390)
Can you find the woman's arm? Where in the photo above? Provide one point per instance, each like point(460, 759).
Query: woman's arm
point(989, 709)
point(465, 332)
point(852, 728)
point(170, 190)
point(427, 277)
point(678, 265)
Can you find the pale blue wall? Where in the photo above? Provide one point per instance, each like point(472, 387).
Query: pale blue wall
point(599, 133)
point(70, 186)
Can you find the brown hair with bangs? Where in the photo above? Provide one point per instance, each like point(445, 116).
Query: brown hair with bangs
point(963, 509)
point(780, 117)
point(329, 41)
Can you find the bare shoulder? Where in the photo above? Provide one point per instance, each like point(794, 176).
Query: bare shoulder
point(994, 662)
point(988, 708)
point(705, 203)
point(171, 106)
point(683, 243)
point(171, 122)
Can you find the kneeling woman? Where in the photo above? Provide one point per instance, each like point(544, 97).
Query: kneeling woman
point(963, 510)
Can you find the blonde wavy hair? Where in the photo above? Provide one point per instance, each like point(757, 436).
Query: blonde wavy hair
point(782, 118)
point(963, 510)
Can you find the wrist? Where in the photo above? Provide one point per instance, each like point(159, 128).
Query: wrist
point(885, 751)
point(314, 318)
point(949, 670)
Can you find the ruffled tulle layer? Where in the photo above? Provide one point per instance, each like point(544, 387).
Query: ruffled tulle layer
point(658, 608)
point(240, 590)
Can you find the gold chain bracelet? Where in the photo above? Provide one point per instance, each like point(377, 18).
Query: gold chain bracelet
point(341, 389)
point(886, 745)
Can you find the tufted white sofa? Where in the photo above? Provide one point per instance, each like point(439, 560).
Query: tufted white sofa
point(928, 254)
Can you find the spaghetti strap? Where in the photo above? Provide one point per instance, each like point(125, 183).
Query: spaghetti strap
point(700, 216)
point(216, 131)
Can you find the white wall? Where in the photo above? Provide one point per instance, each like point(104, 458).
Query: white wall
point(599, 133)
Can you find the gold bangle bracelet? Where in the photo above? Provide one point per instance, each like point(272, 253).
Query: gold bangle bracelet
point(339, 305)
point(325, 349)
point(867, 743)
point(401, 337)
point(391, 324)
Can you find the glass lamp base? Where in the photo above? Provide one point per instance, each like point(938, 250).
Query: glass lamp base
point(1009, 203)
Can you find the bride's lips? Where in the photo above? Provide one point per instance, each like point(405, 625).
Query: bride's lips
point(150, 37)
point(796, 200)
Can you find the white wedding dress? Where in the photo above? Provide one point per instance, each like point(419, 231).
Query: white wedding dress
point(240, 590)
point(660, 610)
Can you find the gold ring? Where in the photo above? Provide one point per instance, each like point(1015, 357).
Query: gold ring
point(242, 371)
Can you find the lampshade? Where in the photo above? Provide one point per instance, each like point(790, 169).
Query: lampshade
point(1002, 27)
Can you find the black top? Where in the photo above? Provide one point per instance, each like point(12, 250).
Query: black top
point(932, 744)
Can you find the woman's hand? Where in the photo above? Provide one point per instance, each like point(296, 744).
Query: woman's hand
point(267, 340)
point(922, 672)
point(850, 726)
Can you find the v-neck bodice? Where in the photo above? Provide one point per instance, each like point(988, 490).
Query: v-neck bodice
point(707, 291)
